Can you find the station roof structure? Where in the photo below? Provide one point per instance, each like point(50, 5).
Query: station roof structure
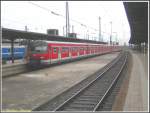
point(12, 34)
point(137, 14)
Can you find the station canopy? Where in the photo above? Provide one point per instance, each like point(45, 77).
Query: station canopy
point(12, 34)
point(137, 13)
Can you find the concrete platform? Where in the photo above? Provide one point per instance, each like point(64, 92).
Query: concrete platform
point(16, 62)
point(133, 95)
point(137, 94)
point(29, 90)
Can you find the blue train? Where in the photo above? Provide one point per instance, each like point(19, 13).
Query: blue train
point(19, 52)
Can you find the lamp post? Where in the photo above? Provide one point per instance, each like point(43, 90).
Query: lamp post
point(67, 20)
point(100, 29)
point(63, 30)
point(111, 33)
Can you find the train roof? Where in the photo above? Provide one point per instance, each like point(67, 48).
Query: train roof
point(58, 42)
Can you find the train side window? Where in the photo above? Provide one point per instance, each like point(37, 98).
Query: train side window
point(86, 48)
point(73, 49)
point(54, 50)
point(76, 49)
point(62, 50)
point(65, 49)
point(81, 49)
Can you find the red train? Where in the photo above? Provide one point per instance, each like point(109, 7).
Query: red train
point(49, 52)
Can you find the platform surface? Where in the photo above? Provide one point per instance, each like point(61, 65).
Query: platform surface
point(137, 94)
point(16, 62)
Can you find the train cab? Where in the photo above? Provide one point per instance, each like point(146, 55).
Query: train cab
point(38, 53)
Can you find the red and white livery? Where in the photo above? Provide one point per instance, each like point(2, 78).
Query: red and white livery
point(49, 52)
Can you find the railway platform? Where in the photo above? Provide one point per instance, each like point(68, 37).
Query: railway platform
point(17, 62)
point(133, 95)
point(137, 96)
point(29, 90)
point(10, 68)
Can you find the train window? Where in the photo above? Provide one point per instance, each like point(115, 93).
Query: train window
point(65, 49)
point(74, 49)
point(81, 49)
point(39, 49)
point(55, 50)
point(86, 48)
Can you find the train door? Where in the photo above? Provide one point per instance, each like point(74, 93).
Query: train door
point(54, 54)
point(50, 53)
point(59, 53)
point(78, 49)
point(70, 52)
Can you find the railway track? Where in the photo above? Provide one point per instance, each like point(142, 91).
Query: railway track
point(90, 93)
point(91, 96)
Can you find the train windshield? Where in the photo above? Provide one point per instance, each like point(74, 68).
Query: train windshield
point(39, 49)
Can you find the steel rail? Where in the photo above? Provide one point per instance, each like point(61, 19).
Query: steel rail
point(100, 102)
point(84, 88)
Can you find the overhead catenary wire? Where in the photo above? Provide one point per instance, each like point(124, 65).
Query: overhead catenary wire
point(57, 14)
point(23, 24)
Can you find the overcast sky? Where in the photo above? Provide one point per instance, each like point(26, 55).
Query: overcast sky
point(18, 14)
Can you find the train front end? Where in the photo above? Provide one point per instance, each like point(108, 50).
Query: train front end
point(39, 55)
